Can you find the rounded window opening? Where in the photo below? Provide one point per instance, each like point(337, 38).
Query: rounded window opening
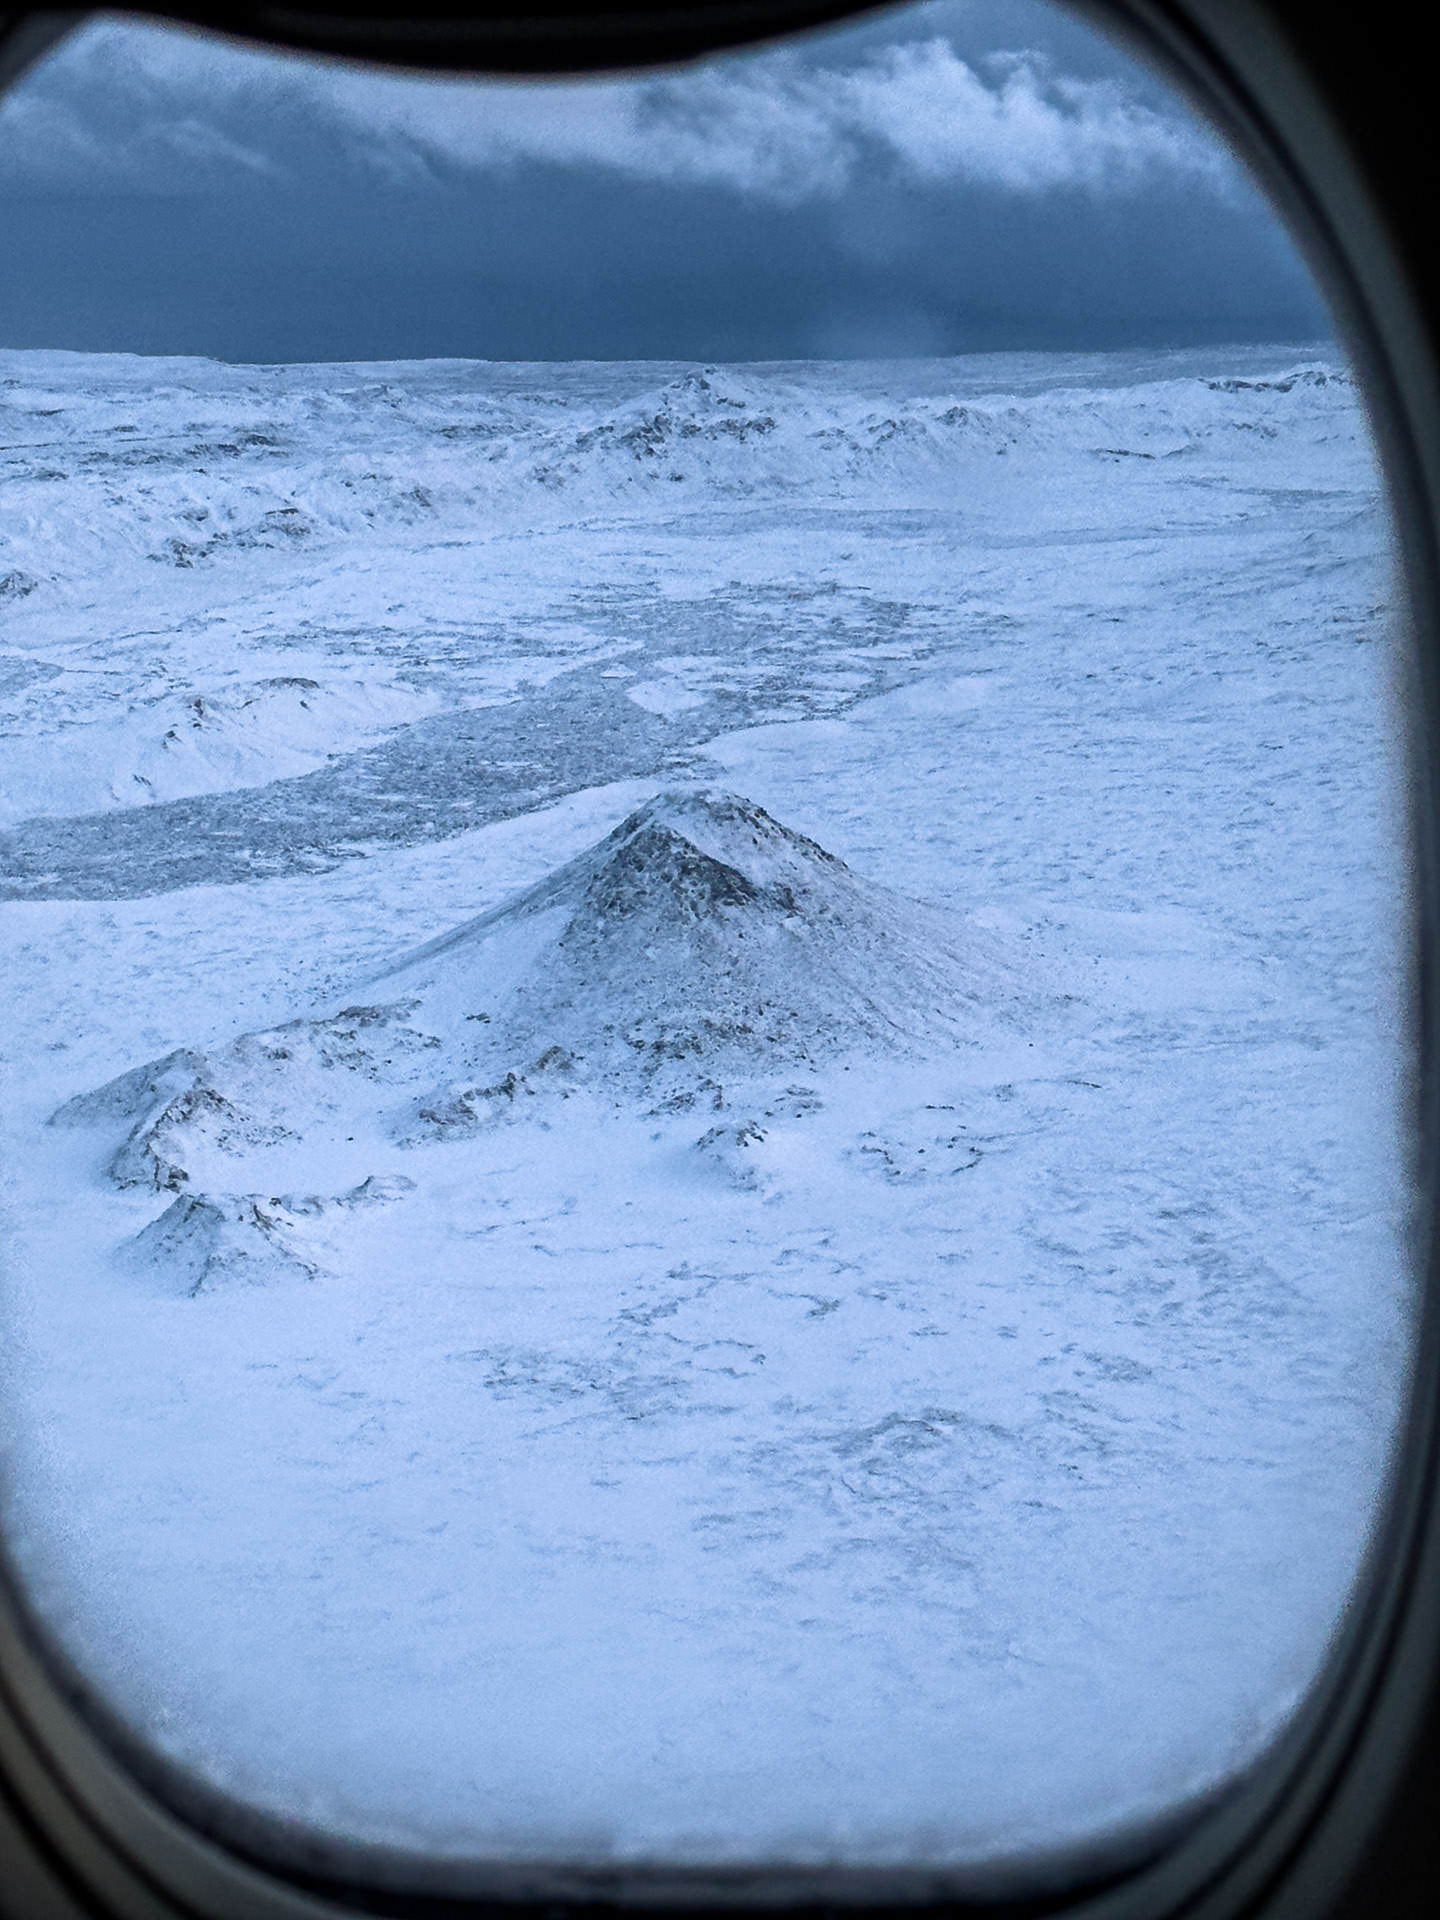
point(705, 892)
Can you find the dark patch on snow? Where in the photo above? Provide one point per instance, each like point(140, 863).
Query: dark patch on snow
point(459, 1112)
point(455, 771)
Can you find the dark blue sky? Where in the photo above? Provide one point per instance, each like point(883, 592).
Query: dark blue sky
point(936, 179)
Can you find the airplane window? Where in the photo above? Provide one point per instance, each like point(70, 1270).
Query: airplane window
point(704, 892)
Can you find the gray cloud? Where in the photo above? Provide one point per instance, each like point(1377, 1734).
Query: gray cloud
point(789, 132)
point(145, 108)
point(906, 185)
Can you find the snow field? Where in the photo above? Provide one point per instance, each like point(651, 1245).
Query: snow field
point(889, 1452)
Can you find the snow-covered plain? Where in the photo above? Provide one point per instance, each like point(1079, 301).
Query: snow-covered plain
point(705, 1083)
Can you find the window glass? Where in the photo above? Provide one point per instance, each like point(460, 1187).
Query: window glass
point(704, 897)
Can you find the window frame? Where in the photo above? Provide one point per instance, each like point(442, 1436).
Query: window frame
point(1336, 1818)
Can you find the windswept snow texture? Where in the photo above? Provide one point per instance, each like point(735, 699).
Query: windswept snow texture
point(706, 1083)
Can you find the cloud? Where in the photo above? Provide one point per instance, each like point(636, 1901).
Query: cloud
point(122, 108)
point(146, 109)
point(788, 132)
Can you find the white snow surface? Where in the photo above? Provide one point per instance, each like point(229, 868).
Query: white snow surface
point(706, 1079)
point(241, 734)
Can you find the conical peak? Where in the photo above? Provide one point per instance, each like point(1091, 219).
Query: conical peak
point(722, 827)
point(661, 869)
point(699, 939)
point(682, 807)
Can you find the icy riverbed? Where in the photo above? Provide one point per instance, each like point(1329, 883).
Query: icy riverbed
point(855, 1311)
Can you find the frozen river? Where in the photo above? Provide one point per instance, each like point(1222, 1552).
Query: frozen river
point(854, 1311)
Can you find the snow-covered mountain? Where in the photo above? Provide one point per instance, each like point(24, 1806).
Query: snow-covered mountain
point(701, 936)
point(698, 944)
